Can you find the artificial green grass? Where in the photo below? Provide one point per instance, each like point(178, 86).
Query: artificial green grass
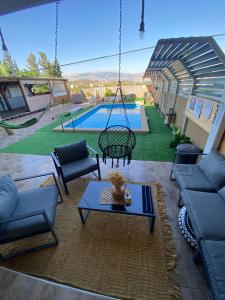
point(153, 146)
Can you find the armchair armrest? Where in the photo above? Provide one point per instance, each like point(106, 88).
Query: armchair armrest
point(92, 150)
point(25, 216)
point(33, 176)
point(55, 160)
point(42, 175)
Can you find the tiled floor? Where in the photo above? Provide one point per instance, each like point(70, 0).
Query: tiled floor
point(192, 278)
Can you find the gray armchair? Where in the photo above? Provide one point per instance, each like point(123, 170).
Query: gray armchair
point(27, 213)
point(73, 161)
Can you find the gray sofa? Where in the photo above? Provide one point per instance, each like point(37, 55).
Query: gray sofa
point(207, 175)
point(203, 194)
point(24, 214)
point(213, 255)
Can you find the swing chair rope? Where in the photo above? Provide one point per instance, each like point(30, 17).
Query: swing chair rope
point(55, 59)
point(119, 87)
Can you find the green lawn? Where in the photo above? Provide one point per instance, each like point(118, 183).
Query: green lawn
point(153, 146)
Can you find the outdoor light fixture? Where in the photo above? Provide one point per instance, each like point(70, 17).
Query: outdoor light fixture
point(142, 24)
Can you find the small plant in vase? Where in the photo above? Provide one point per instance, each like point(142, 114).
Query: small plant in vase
point(118, 181)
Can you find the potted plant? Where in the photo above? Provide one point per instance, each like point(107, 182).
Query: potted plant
point(118, 181)
point(179, 138)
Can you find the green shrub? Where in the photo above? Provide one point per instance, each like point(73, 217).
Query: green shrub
point(179, 138)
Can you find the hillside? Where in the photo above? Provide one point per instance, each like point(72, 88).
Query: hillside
point(104, 76)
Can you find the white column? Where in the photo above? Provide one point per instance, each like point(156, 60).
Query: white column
point(183, 130)
point(217, 130)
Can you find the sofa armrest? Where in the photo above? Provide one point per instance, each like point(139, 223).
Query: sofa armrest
point(43, 175)
point(191, 153)
point(187, 154)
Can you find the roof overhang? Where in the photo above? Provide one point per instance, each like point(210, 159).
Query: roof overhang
point(10, 6)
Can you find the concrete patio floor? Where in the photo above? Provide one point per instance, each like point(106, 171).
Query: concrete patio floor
point(192, 277)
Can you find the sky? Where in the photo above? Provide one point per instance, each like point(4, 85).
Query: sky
point(89, 28)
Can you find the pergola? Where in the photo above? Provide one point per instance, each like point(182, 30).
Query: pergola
point(196, 64)
point(189, 66)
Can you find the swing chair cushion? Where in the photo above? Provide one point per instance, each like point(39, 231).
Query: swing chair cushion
point(72, 152)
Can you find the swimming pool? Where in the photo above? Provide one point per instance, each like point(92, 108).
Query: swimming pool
point(96, 118)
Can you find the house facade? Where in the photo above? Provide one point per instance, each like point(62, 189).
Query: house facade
point(20, 95)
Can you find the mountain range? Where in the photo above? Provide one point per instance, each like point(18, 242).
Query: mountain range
point(104, 76)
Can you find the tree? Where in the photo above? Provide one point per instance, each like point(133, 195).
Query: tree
point(27, 73)
point(58, 72)
point(10, 65)
point(16, 70)
point(32, 65)
point(45, 64)
point(108, 92)
point(3, 70)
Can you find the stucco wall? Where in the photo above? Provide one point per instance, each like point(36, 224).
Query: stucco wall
point(196, 133)
point(180, 108)
point(222, 145)
point(202, 121)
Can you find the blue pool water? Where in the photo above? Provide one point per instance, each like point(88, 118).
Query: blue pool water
point(97, 117)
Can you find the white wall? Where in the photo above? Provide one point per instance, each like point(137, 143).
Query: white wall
point(38, 102)
point(58, 88)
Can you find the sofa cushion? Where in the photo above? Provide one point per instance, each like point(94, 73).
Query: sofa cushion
point(79, 168)
point(31, 201)
point(221, 192)
point(192, 178)
point(214, 257)
point(72, 152)
point(8, 198)
point(206, 212)
point(213, 165)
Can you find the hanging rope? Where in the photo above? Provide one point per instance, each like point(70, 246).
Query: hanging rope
point(120, 45)
point(55, 59)
point(119, 85)
point(142, 24)
point(117, 141)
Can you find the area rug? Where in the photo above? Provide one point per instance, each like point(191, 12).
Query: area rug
point(111, 254)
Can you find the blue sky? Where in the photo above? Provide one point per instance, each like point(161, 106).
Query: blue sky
point(89, 28)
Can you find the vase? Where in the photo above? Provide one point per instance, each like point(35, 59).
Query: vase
point(118, 192)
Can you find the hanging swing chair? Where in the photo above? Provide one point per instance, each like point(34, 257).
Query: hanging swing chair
point(117, 141)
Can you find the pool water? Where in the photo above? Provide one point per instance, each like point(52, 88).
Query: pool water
point(98, 117)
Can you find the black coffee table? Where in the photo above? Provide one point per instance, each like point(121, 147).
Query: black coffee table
point(142, 204)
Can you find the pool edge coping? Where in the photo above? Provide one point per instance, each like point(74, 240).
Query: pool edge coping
point(144, 121)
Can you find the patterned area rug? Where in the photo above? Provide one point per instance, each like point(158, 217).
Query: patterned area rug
point(111, 254)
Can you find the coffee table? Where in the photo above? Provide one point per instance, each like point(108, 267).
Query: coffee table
point(142, 204)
